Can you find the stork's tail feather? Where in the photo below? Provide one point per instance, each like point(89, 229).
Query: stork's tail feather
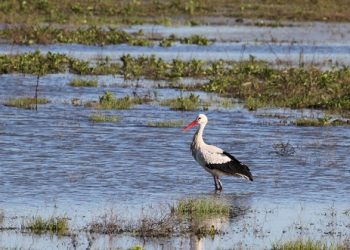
point(240, 168)
point(244, 171)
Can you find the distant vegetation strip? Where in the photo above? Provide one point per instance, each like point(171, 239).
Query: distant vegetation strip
point(90, 35)
point(168, 11)
point(25, 102)
point(256, 82)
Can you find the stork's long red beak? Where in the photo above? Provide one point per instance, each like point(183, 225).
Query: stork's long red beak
point(191, 125)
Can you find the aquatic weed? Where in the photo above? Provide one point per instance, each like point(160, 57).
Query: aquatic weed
point(181, 103)
point(83, 83)
point(91, 35)
point(109, 101)
point(53, 225)
point(99, 118)
point(202, 207)
point(166, 124)
point(109, 223)
point(301, 244)
point(195, 39)
point(25, 102)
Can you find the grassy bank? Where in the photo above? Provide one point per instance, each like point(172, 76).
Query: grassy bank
point(168, 12)
point(90, 35)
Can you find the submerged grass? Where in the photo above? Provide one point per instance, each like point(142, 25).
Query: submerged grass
point(195, 39)
point(83, 83)
point(307, 245)
point(99, 118)
point(53, 225)
point(25, 102)
point(324, 121)
point(166, 124)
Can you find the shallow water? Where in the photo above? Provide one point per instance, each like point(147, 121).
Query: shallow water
point(310, 43)
point(56, 162)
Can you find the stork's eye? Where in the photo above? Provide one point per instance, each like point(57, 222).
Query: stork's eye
point(199, 118)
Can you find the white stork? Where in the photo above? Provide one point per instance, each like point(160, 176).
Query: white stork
point(213, 159)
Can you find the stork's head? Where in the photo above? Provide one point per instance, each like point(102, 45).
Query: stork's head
point(200, 120)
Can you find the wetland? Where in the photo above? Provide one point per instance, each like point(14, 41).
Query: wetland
point(92, 150)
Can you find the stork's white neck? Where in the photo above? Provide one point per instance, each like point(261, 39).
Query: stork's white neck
point(198, 136)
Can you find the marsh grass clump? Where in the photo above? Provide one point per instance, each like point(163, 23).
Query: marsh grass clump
point(323, 121)
point(195, 39)
point(107, 224)
point(83, 83)
point(157, 68)
point(166, 124)
point(53, 225)
point(181, 103)
point(307, 245)
point(25, 102)
point(100, 118)
point(109, 101)
point(91, 35)
point(160, 226)
point(136, 247)
point(39, 63)
point(202, 207)
point(34, 63)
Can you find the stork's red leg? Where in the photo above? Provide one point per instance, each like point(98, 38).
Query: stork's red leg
point(217, 182)
point(220, 184)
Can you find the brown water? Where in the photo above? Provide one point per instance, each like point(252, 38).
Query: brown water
point(56, 162)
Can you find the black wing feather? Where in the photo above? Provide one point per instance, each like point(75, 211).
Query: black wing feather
point(232, 167)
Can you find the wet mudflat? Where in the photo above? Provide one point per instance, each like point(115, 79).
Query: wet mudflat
point(56, 162)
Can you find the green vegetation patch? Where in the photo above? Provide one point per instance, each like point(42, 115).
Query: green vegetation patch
point(38, 63)
point(166, 124)
point(157, 68)
point(25, 102)
point(324, 121)
point(91, 35)
point(195, 39)
point(189, 103)
point(98, 118)
point(53, 225)
point(307, 245)
point(109, 101)
point(83, 83)
point(136, 247)
point(261, 85)
point(202, 207)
